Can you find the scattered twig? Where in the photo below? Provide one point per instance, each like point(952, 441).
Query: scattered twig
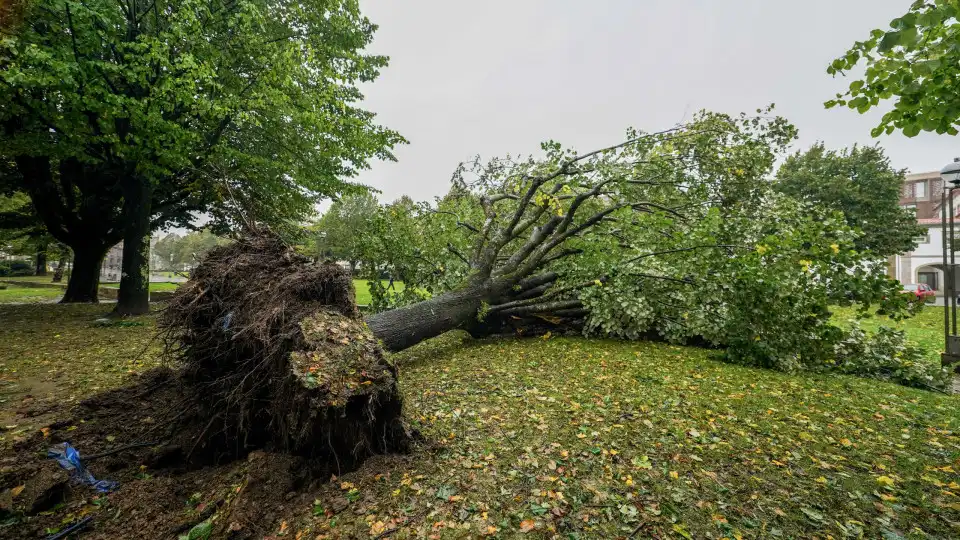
point(76, 527)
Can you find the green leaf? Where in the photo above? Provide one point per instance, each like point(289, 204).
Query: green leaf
point(911, 130)
point(889, 41)
point(200, 531)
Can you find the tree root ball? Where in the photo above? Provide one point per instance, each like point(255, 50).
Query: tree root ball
point(274, 352)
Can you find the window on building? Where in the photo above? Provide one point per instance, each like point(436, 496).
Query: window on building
point(929, 279)
point(920, 190)
point(911, 207)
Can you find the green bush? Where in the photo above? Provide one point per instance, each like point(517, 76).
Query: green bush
point(15, 268)
point(887, 355)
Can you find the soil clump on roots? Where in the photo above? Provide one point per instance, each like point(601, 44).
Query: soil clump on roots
point(274, 384)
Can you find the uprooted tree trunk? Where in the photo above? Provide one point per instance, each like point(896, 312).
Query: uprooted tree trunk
point(278, 356)
point(479, 308)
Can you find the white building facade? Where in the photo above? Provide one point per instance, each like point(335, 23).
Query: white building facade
point(922, 193)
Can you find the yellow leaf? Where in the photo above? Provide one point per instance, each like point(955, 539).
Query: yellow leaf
point(16, 491)
point(45, 431)
point(821, 480)
point(528, 525)
point(674, 475)
point(346, 485)
point(885, 481)
point(846, 442)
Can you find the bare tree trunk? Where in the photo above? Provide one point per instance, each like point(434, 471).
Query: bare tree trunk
point(61, 266)
point(41, 269)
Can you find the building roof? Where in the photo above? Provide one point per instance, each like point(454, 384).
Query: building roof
point(922, 176)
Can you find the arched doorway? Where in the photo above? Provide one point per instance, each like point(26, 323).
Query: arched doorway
point(932, 276)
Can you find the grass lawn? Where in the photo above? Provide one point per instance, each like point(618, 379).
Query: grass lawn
point(926, 329)
point(579, 438)
point(154, 285)
point(362, 286)
point(17, 294)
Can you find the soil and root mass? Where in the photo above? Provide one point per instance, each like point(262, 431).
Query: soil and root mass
point(271, 368)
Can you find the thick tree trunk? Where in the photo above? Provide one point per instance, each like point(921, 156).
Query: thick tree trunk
point(84, 280)
point(134, 295)
point(401, 328)
point(41, 269)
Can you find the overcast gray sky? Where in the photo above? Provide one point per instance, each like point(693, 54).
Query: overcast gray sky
point(500, 76)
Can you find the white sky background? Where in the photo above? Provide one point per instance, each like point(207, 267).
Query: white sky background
point(500, 76)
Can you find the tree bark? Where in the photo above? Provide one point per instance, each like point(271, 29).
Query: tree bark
point(134, 294)
point(61, 266)
point(41, 269)
point(402, 328)
point(84, 282)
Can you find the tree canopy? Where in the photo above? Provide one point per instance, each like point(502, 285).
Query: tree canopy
point(127, 117)
point(338, 233)
point(860, 183)
point(915, 63)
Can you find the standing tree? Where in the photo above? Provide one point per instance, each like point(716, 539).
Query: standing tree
point(123, 118)
point(337, 234)
point(860, 183)
point(916, 63)
point(165, 252)
point(22, 232)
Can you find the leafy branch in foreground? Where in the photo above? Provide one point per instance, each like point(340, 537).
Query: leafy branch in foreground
point(915, 63)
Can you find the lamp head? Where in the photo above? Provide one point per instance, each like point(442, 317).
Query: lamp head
point(951, 174)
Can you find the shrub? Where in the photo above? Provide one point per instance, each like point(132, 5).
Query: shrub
point(15, 268)
point(887, 355)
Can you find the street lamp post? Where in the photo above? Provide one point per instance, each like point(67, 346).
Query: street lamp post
point(951, 181)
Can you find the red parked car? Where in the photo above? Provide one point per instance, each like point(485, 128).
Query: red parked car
point(921, 290)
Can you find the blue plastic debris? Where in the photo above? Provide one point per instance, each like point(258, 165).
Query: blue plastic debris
point(226, 321)
point(68, 458)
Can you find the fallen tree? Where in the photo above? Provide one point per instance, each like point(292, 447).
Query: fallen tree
point(500, 246)
point(677, 235)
